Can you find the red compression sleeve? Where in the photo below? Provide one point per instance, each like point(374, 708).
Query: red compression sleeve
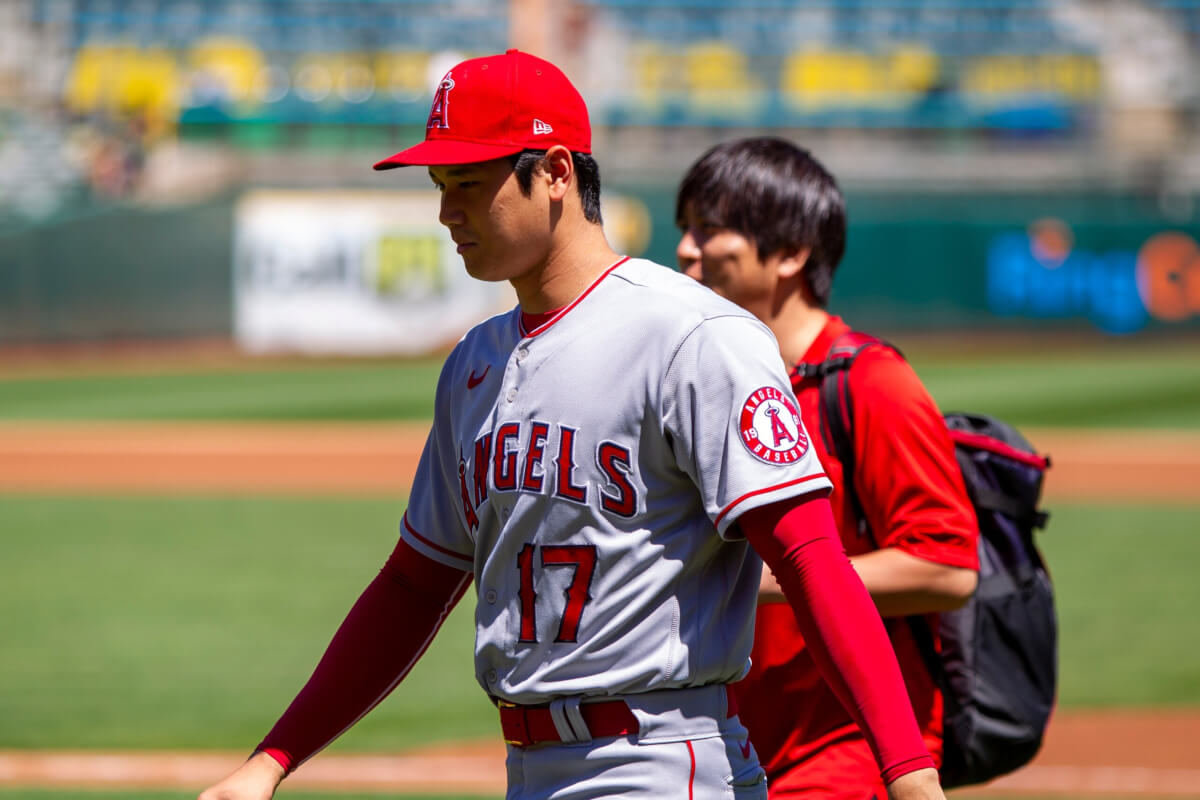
point(381, 638)
point(841, 626)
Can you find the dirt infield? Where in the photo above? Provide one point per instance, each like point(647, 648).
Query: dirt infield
point(1085, 755)
point(1092, 754)
point(380, 458)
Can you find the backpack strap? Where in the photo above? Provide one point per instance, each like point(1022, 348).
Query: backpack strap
point(836, 408)
point(836, 421)
point(997, 501)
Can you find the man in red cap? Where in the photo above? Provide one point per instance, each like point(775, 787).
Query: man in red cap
point(607, 462)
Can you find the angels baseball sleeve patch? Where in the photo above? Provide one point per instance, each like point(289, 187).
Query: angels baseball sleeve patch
point(771, 428)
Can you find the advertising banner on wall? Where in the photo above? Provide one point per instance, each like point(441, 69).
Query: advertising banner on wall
point(1046, 272)
point(327, 272)
point(351, 272)
point(1115, 262)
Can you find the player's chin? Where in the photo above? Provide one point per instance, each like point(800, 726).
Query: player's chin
point(482, 269)
point(475, 266)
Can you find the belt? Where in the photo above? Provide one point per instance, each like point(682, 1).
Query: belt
point(565, 721)
point(570, 720)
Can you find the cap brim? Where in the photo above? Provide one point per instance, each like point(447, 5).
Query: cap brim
point(447, 151)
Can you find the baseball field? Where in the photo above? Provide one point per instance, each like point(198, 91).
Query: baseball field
point(184, 530)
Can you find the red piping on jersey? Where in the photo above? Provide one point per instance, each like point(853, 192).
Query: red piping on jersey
point(541, 328)
point(692, 776)
point(981, 442)
point(435, 546)
point(756, 492)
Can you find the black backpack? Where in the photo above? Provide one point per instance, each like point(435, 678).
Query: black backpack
point(997, 668)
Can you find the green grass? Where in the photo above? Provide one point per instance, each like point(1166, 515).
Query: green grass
point(348, 391)
point(1127, 596)
point(1126, 389)
point(190, 623)
point(1120, 386)
point(145, 622)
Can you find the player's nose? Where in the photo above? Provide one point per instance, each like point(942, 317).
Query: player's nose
point(449, 212)
point(687, 255)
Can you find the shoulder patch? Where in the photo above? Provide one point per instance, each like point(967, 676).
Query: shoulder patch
point(770, 427)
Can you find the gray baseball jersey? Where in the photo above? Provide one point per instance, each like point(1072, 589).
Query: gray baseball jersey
point(589, 473)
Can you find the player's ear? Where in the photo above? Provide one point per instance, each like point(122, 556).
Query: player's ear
point(559, 171)
point(791, 265)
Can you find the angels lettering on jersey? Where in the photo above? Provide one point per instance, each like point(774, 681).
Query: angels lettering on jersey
point(542, 458)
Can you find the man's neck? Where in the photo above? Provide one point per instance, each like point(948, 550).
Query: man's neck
point(796, 326)
point(569, 270)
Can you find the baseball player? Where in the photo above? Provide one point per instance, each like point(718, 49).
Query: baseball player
point(763, 224)
point(606, 462)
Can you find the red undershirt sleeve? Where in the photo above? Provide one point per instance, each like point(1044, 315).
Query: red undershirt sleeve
point(380, 640)
point(840, 625)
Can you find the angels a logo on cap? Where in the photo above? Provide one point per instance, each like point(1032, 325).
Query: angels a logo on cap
point(771, 428)
point(439, 114)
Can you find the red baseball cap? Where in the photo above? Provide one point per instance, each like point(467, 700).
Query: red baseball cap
point(496, 106)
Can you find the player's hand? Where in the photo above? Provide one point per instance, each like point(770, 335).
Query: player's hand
point(254, 780)
point(919, 785)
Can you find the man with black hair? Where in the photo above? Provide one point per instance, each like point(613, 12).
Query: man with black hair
point(606, 462)
point(764, 224)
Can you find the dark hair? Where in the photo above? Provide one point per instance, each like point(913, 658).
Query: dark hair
point(777, 196)
point(587, 177)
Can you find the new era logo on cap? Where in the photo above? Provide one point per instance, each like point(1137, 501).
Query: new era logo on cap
point(496, 106)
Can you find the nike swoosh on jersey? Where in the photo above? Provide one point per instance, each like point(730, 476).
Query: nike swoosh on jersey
point(472, 381)
point(745, 748)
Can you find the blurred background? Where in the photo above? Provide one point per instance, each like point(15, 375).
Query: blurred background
point(220, 333)
point(1010, 164)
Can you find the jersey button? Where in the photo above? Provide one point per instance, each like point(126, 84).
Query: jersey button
point(512, 395)
point(522, 354)
point(490, 596)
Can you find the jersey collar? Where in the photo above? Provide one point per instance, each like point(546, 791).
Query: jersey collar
point(540, 329)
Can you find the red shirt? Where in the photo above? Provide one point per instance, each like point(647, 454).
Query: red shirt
point(914, 499)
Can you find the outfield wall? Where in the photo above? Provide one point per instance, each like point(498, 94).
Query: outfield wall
point(1116, 263)
point(119, 273)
